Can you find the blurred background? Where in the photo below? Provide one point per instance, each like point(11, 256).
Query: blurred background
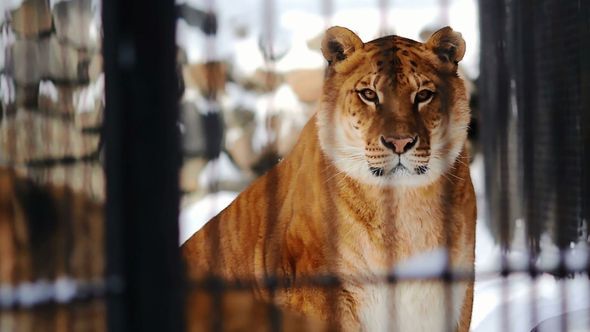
point(202, 97)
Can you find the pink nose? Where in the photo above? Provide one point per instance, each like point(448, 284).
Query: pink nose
point(399, 144)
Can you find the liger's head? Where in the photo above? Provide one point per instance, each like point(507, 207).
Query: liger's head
point(394, 111)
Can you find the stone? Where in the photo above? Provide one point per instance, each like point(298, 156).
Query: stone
point(95, 68)
point(193, 136)
point(62, 62)
point(56, 98)
point(30, 136)
point(77, 23)
point(32, 18)
point(89, 121)
point(89, 103)
point(189, 174)
point(83, 177)
point(71, 99)
point(26, 96)
point(209, 78)
point(33, 60)
point(306, 83)
point(24, 64)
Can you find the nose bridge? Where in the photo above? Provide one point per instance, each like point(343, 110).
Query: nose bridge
point(399, 119)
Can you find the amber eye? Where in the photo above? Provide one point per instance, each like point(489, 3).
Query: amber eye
point(423, 95)
point(368, 95)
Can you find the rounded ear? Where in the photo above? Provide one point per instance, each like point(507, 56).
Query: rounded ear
point(340, 43)
point(447, 44)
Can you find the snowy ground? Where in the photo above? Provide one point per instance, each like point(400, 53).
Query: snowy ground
point(507, 304)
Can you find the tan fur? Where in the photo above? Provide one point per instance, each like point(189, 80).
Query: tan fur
point(322, 211)
point(48, 232)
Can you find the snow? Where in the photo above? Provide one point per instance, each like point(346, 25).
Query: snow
point(217, 170)
point(61, 290)
point(6, 6)
point(86, 99)
point(430, 264)
point(7, 90)
point(48, 89)
point(195, 216)
point(516, 295)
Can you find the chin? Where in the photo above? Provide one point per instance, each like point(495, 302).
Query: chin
point(407, 179)
point(391, 179)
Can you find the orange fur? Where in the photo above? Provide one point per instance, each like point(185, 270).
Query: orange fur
point(323, 211)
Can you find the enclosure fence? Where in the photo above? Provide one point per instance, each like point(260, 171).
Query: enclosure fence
point(74, 256)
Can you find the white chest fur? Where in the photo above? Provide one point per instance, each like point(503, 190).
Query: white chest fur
point(431, 305)
point(411, 306)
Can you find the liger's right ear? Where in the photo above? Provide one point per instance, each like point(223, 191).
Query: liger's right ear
point(340, 44)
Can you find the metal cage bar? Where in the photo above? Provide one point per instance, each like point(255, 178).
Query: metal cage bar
point(142, 162)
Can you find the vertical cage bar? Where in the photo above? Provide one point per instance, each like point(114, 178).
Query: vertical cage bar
point(525, 85)
point(494, 85)
point(383, 17)
point(584, 28)
point(327, 12)
point(142, 161)
point(271, 55)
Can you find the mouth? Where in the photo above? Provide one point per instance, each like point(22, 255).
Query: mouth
point(399, 170)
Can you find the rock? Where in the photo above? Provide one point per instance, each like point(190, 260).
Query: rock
point(56, 98)
point(95, 68)
point(89, 105)
point(189, 174)
point(89, 120)
point(26, 96)
point(77, 23)
point(70, 99)
point(64, 63)
point(7, 38)
point(24, 64)
point(306, 83)
point(238, 144)
point(209, 78)
point(87, 178)
point(33, 60)
point(193, 135)
point(32, 18)
point(30, 136)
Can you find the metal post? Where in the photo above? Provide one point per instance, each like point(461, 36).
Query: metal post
point(142, 161)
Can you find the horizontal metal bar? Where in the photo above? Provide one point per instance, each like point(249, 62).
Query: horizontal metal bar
point(216, 284)
point(60, 291)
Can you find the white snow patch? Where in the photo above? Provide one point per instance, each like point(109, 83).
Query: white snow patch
point(7, 89)
point(430, 264)
point(300, 57)
point(508, 303)
point(60, 290)
point(195, 216)
point(48, 89)
point(86, 99)
point(6, 6)
point(285, 107)
point(218, 170)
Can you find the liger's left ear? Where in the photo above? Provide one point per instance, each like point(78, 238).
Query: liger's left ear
point(339, 46)
point(448, 45)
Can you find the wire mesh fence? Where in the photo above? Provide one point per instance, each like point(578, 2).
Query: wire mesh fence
point(204, 97)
